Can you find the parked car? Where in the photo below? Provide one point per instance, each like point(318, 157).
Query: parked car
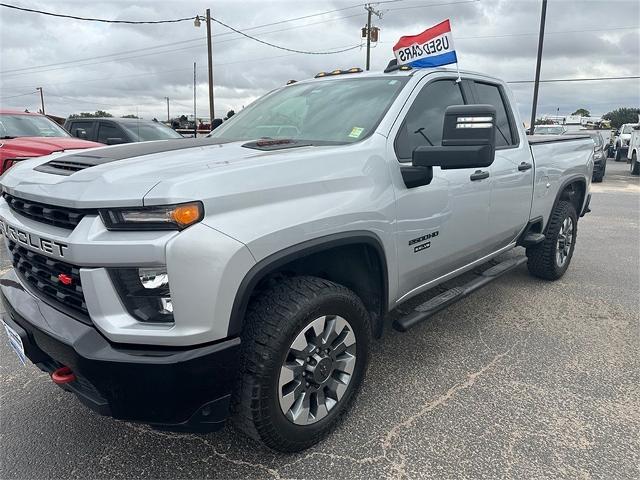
point(248, 275)
point(26, 135)
point(113, 131)
point(599, 155)
point(621, 141)
point(633, 152)
point(550, 130)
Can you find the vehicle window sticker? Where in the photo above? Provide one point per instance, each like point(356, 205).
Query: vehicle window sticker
point(356, 132)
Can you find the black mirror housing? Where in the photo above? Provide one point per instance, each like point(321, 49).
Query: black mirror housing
point(468, 139)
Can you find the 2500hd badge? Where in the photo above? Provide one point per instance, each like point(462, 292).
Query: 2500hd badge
point(45, 245)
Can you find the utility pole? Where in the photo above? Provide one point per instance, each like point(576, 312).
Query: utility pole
point(168, 117)
point(195, 120)
point(210, 66)
point(370, 11)
point(536, 84)
point(41, 99)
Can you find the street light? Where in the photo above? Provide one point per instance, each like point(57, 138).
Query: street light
point(196, 23)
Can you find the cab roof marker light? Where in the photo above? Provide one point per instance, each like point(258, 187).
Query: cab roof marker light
point(321, 74)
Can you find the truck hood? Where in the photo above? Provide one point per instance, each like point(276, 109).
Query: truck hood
point(39, 146)
point(122, 175)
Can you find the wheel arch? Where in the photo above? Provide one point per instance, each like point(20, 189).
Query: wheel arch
point(574, 190)
point(363, 270)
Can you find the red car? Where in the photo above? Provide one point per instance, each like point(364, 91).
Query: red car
point(27, 135)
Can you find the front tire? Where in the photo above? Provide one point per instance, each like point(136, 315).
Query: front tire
point(635, 166)
point(551, 258)
point(305, 352)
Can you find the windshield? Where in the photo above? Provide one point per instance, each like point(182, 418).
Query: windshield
point(146, 131)
point(627, 129)
point(333, 111)
point(12, 126)
point(548, 130)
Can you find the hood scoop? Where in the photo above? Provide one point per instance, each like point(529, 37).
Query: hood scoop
point(62, 167)
point(70, 164)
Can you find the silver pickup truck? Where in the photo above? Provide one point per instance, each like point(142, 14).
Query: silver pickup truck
point(246, 274)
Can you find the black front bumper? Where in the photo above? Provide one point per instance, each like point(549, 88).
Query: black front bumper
point(182, 388)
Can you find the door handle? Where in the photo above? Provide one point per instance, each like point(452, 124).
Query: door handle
point(524, 166)
point(479, 175)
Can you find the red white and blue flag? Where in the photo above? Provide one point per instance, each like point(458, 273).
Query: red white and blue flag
point(431, 48)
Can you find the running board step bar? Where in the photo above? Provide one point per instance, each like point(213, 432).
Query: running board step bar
point(440, 302)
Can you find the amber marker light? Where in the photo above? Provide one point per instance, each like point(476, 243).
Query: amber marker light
point(187, 214)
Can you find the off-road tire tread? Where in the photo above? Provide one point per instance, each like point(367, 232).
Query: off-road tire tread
point(266, 315)
point(541, 260)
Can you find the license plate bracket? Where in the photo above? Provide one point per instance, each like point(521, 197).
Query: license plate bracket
point(15, 342)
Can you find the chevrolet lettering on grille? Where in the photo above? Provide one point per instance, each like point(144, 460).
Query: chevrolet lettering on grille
point(33, 241)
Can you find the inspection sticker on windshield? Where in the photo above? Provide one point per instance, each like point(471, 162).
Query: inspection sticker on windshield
point(356, 132)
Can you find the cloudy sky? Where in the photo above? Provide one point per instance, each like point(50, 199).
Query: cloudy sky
point(130, 69)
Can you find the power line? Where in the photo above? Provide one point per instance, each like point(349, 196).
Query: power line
point(101, 20)
point(199, 39)
point(16, 96)
point(306, 52)
point(593, 79)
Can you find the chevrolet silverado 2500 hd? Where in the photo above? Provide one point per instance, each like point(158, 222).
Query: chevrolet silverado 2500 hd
point(182, 281)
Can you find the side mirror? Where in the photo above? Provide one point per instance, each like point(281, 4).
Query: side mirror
point(468, 139)
point(81, 133)
point(114, 141)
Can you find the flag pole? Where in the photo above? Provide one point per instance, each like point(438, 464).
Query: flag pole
point(459, 79)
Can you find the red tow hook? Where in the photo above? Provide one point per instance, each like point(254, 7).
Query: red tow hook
point(63, 375)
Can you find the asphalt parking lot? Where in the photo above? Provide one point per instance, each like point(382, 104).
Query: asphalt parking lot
point(524, 379)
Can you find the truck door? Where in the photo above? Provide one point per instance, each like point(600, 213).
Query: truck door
point(441, 226)
point(511, 174)
point(83, 129)
point(111, 134)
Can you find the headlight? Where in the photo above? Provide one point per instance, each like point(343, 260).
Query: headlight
point(145, 293)
point(167, 217)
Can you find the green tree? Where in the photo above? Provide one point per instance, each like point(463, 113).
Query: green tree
point(623, 115)
point(583, 112)
point(545, 121)
point(97, 113)
point(129, 116)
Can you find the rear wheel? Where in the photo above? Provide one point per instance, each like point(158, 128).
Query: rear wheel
point(305, 349)
point(551, 258)
point(618, 154)
point(635, 166)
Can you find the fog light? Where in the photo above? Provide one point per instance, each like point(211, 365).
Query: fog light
point(152, 278)
point(145, 293)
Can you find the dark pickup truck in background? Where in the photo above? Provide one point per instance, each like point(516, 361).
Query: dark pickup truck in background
point(113, 131)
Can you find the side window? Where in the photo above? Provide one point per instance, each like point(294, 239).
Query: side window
point(106, 131)
point(490, 94)
point(76, 129)
point(424, 121)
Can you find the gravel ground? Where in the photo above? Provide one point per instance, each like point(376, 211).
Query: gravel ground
point(524, 379)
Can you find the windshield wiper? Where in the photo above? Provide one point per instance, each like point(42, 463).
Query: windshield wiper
point(7, 137)
point(420, 131)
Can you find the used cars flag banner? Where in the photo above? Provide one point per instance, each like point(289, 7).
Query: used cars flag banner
point(431, 48)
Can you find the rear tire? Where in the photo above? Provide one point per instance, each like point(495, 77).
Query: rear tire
point(551, 258)
point(618, 154)
point(298, 315)
point(635, 166)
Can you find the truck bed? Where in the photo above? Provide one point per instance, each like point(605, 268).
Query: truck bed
point(558, 159)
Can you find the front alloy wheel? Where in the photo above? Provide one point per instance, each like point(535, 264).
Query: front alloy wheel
point(305, 347)
point(317, 370)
